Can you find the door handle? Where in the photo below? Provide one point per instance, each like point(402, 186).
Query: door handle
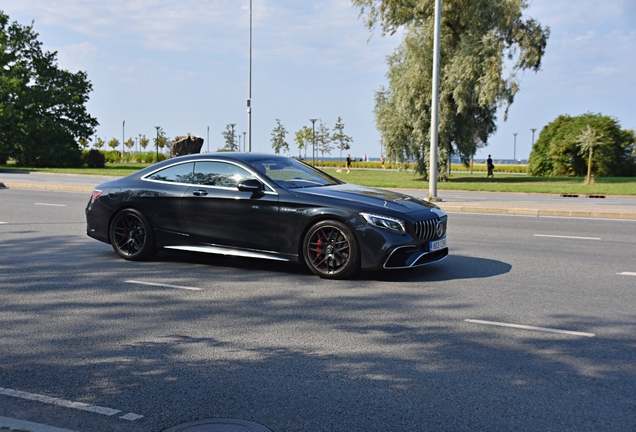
point(199, 192)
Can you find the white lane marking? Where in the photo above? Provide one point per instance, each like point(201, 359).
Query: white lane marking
point(163, 285)
point(66, 403)
point(52, 205)
point(525, 327)
point(567, 237)
point(16, 424)
point(3, 223)
point(627, 273)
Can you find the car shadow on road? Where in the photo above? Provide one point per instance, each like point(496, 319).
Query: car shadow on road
point(452, 267)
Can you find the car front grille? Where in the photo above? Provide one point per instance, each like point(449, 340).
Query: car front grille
point(430, 229)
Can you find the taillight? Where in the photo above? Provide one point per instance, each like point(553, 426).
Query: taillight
point(95, 194)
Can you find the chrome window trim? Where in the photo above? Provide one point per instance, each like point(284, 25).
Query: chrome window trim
point(271, 191)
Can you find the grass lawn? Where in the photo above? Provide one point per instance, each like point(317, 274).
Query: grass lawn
point(500, 183)
point(407, 179)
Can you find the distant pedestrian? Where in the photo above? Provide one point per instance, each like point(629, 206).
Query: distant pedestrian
point(382, 161)
point(348, 166)
point(490, 167)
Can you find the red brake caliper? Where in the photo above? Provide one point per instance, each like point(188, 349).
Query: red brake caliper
point(318, 246)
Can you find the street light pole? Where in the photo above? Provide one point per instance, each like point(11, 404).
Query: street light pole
point(208, 139)
point(244, 141)
point(157, 143)
point(432, 171)
point(533, 129)
point(514, 155)
point(232, 124)
point(249, 92)
point(123, 126)
point(138, 147)
point(313, 139)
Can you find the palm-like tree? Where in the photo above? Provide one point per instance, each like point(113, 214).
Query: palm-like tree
point(587, 140)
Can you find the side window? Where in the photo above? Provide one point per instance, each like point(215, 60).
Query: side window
point(219, 174)
point(181, 173)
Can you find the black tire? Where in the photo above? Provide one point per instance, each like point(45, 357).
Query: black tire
point(330, 250)
point(131, 235)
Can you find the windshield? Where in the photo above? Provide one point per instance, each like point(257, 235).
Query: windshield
point(290, 173)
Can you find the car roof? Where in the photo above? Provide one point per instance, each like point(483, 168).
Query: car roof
point(246, 157)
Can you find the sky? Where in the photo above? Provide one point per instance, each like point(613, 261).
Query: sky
point(184, 65)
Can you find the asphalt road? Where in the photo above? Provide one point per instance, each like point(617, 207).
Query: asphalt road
point(185, 337)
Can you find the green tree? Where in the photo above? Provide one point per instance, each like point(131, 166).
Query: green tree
point(99, 143)
point(587, 141)
point(338, 137)
point(129, 143)
point(229, 137)
point(323, 139)
point(480, 40)
point(113, 143)
point(278, 138)
point(84, 143)
point(303, 139)
point(557, 150)
point(161, 140)
point(42, 107)
point(143, 142)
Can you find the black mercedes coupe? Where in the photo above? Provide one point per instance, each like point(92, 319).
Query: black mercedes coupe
point(265, 206)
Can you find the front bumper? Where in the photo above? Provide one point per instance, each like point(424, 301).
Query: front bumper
point(413, 256)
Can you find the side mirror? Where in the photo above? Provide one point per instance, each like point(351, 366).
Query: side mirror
point(250, 185)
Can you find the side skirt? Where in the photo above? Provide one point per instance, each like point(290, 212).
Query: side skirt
point(219, 250)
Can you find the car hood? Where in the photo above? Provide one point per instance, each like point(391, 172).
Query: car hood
point(383, 199)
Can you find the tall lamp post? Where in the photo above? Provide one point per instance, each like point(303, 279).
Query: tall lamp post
point(157, 143)
point(533, 129)
point(313, 139)
point(208, 139)
point(123, 127)
point(244, 141)
point(432, 172)
point(249, 91)
point(139, 147)
point(232, 124)
point(514, 154)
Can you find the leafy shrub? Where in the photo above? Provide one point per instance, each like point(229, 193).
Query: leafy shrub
point(557, 152)
point(94, 159)
point(113, 156)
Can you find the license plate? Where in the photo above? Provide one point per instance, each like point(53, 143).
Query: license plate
point(437, 245)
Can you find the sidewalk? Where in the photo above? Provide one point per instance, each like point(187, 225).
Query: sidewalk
point(515, 204)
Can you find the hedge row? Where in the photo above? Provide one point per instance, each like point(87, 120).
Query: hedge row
point(91, 158)
point(522, 169)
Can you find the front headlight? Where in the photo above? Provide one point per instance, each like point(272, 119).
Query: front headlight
point(384, 222)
